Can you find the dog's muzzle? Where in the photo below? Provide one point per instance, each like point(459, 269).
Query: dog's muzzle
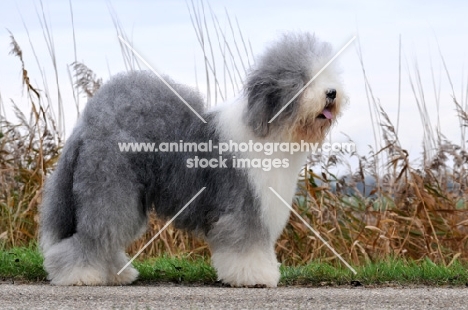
point(330, 99)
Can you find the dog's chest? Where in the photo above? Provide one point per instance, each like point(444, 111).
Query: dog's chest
point(284, 181)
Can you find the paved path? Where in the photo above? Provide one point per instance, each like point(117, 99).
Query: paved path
point(167, 296)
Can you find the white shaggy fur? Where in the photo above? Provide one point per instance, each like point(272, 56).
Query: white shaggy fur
point(257, 266)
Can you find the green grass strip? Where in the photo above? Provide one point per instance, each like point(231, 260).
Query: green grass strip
point(25, 264)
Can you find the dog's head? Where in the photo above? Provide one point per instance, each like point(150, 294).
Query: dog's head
point(280, 79)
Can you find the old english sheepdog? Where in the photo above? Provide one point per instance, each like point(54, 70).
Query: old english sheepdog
point(97, 200)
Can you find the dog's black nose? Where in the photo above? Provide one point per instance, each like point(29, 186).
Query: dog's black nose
point(331, 93)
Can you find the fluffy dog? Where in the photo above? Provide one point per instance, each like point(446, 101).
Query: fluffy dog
point(97, 200)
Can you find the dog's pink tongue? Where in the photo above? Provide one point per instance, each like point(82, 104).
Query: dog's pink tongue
point(327, 113)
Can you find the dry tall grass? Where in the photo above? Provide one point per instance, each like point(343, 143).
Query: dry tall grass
point(416, 212)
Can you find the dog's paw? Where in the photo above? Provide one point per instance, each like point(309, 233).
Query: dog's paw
point(253, 269)
point(128, 276)
point(79, 276)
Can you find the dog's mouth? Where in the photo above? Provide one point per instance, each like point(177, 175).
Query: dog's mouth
point(327, 112)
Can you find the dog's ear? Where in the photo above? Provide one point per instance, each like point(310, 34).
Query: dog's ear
point(267, 94)
point(263, 96)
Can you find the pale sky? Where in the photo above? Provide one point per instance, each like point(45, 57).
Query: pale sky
point(161, 31)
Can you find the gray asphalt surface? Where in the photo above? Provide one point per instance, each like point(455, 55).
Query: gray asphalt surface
point(37, 296)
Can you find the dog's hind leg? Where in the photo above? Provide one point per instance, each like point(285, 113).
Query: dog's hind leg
point(79, 260)
point(96, 252)
point(110, 214)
